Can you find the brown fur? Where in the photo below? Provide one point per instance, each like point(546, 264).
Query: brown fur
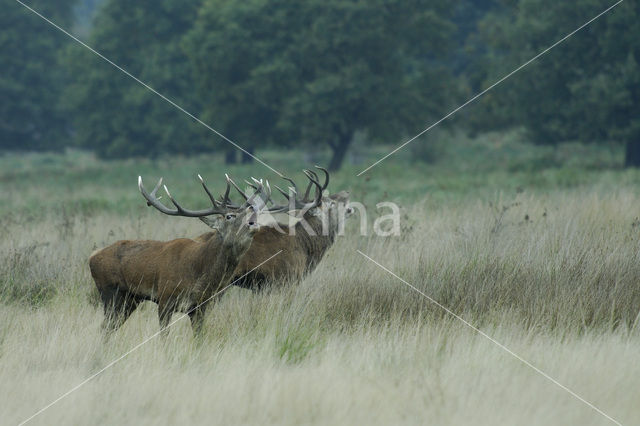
point(301, 252)
point(176, 274)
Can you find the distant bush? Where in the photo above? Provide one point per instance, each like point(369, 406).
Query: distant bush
point(22, 282)
point(431, 147)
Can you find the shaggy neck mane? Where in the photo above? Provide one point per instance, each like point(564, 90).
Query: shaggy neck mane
point(315, 245)
point(218, 259)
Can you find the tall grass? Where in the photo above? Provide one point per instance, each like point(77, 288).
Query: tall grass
point(552, 274)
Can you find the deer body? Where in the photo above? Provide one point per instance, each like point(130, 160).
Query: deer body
point(179, 274)
point(186, 273)
point(300, 253)
point(301, 250)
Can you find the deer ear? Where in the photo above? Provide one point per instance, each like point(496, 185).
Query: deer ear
point(212, 221)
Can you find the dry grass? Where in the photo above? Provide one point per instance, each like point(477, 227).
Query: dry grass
point(554, 277)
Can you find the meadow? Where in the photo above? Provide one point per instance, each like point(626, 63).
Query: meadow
point(537, 247)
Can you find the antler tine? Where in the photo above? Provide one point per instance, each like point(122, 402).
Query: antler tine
point(225, 199)
point(295, 188)
point(326, 174)
point(154, 189)
point(251, 200)
point(175, 203)
point(314, 174)
point(304, 203)
point(153, 193)
point(265, 194)
point(211, 197)
point(282, 192)
point(318, 199)
point(152, 200)
point(277, 207)
point(260, 182)
point(306, 193)
point(245, 196)
point(250, 184)
point(179, 211)
point(268, 190)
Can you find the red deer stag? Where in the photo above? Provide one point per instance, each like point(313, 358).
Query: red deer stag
point(179, 274)
point(301, 249)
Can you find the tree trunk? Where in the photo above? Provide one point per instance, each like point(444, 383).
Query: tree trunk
point(632, 154)
point(339, 151)
point(230, 157)
point(246, 158)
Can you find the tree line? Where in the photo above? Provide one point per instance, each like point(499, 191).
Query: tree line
point(313, 73)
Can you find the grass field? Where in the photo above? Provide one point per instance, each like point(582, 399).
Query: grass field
point(537, 247)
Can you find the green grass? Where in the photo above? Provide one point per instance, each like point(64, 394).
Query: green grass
point(478, 169)
point(536, 246)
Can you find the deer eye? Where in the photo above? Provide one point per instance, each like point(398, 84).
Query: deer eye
point(230, 216)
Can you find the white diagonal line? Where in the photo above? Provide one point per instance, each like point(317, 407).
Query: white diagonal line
point(151, 89)
point(112, 363)
point(491, 87)
point(494, 341)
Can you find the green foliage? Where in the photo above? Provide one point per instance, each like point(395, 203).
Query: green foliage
point(319, 71)
point(433, 146)
point(586, 89)
point(463, 168)
point(315, 74)
point(116, 116)
point(31, 81)
point(295, 343)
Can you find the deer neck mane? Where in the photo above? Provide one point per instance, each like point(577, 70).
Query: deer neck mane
point(325, 232)
point(316, 245)
point(219, 258)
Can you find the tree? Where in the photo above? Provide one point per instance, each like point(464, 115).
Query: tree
point(588, 88)
point(31, 80)
point(116, 116)
point(84, 12)
point(318, 71)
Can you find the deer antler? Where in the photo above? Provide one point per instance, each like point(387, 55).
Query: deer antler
point(218, 207)
point(310, 185)
point(305, 203)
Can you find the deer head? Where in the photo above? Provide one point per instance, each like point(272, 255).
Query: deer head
point(237, 231)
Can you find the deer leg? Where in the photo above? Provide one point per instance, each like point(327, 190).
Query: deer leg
point(196, 316)
point(252, 281)
point(118, 306)
point(165, 310)
point(258, 283)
